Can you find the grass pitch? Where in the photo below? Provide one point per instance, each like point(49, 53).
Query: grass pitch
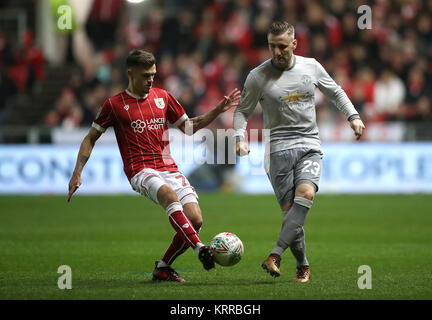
point(111, 243)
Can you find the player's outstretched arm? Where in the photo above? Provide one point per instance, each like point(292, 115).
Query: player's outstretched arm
point(358, 127)
point(192, 125)
point(83, 155)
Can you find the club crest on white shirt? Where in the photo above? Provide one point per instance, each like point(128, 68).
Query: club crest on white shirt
point(159, 103)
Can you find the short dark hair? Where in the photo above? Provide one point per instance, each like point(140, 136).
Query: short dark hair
point(140, 58)
point(280, 27)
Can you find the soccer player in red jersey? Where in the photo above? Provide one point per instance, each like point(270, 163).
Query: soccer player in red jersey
point(140, 117)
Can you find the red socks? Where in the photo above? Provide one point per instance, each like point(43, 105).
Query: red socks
point(176, 248)
point(182, 225)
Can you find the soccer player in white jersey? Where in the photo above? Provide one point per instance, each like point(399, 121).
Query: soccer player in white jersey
point(140, 116)
point(284, 86)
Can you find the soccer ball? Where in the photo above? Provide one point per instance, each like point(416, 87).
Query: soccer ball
point(227, 249)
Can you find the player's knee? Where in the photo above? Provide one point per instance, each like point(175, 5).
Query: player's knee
point(309, 194)
point(305, 191)
point(193, 212)
point(285, 207)
point(166, 196)
point(196, 219)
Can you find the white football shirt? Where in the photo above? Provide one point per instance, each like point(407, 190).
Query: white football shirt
point(287, 98)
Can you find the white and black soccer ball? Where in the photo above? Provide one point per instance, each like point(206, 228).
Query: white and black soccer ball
point(227, 249)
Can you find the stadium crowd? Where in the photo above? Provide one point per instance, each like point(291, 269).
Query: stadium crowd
point(206, 48)
point(21, 70)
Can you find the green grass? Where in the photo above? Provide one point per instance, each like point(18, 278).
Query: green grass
point(111, 243)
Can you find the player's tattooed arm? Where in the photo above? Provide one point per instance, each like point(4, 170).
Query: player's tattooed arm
point(82, 159)
point(86, 148)
point(190, 126)
point(83, 155)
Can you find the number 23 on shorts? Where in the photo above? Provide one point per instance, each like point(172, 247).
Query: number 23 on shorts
point(312, 167)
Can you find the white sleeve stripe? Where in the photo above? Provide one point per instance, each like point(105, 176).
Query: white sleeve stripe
point(98, 127)
point(180, 120)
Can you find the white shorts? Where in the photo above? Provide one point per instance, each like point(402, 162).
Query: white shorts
point(148, 181)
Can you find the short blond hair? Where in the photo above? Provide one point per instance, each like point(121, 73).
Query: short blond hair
point(280, 27)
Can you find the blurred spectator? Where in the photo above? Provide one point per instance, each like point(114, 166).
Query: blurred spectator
point(416, 85)
point(424, 30)
point(388, 97)
point(67, 112)
point(338, 9)
point(188, 100)
point(423, 111)
point(6, 55)
point(350, 32)
point(261, 24)
point(176, 33)
point(365, 82)
point(28, 64)
point(77, 85)
point(212, 98)
point(8, 91)
point(206, 32)
point(315, 18)
point(103, 21)
point(93, 100)
point(153, 28)
point(359, 57)
point(237, 29)
point(422, 119)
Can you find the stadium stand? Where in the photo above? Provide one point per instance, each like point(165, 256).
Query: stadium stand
point(205, 48)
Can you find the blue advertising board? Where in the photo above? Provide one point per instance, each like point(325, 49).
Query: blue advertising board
point(347, 168)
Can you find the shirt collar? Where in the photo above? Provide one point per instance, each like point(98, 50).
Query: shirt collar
point(286, 69)
point(135, 95)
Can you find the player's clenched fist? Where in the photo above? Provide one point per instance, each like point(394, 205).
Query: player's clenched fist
point(242, 148)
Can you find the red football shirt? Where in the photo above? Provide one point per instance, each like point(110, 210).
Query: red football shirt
point(140, 125)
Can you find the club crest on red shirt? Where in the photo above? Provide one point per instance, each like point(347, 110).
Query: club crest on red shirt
point(159, 103)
